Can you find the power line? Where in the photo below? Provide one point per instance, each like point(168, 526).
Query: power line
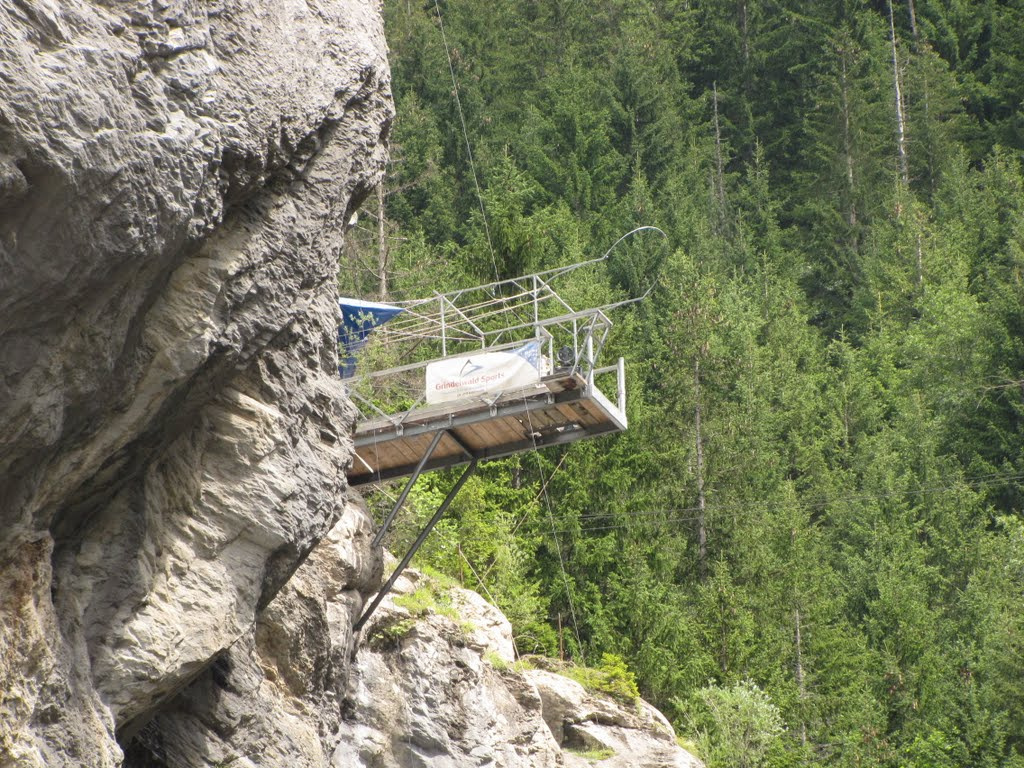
point(682, 514)
point(494, 264)
point(982, 481)
point(554, 534)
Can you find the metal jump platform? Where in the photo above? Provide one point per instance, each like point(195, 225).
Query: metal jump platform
point(562, 408)
point(474, 375)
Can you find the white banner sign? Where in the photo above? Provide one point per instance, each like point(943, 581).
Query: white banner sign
point(458, 378)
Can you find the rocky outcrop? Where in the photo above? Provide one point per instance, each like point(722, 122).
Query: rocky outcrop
point(593, 728)
point(181, 560)
point(434, 684)
point(175, 179)
point(275, 697)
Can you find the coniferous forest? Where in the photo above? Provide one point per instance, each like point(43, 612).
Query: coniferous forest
point(809, 546)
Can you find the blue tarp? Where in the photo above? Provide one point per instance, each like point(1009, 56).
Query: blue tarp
point(358, 318)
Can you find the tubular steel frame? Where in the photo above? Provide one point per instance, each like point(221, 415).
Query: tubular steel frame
point(492, 317)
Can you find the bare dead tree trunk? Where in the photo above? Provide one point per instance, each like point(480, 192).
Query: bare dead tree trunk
point(382, 245)
point(844, 95)
point(744, 32)
point(919, 251)
point(799, 674)
point(916, 40)
point(702, 533)
point(901, 119)
point(718, 183)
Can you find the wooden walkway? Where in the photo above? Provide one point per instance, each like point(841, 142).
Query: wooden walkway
point(561, 409)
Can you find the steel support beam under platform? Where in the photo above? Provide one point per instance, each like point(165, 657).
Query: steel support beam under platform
point(566, 409)
point(416, 545)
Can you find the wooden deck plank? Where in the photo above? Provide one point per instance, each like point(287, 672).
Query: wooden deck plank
point(513, 430)
point(540, 419)
point(569, 414)
point(594, 409)
point(498, 430)
point(476, 436)
point(404, 451)
point(486, 433)
point(586, 415)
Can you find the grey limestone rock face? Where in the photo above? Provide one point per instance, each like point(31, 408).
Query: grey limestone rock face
point(175, 180)
point(625, 737)
point(276, 696)
point(441, 691)
point(425, 692)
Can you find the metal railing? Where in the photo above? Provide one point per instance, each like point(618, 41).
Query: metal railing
point(571, 343)
point(496, 316)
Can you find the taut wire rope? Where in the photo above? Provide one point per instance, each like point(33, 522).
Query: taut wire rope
point(739, 511)
point(497, 276)
point(465, 135)
point(554, 535)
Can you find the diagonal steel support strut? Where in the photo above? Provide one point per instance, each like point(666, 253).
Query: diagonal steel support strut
point(416, 545)
point(405, 491)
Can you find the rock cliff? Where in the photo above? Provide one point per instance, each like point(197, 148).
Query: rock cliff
point(435, 684)
point(175, 180)
point(432, 684)
point(181, 561)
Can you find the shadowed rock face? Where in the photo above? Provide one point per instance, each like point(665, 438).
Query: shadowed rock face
point(175, 178)
point(275, 697)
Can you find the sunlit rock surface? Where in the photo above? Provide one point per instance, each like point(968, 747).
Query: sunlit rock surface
point(181, 561)
point(442, 691)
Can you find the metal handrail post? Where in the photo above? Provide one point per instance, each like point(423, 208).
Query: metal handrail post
point(575, 344)
point(590, 356)
point(416, 545)
point(444, 334)
point(621, 374)
point(536, 309)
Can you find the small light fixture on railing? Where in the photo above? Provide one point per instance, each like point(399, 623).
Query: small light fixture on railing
point(566, 357)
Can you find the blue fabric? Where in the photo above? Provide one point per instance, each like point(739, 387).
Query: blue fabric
point(358, 318)
point(530, 352)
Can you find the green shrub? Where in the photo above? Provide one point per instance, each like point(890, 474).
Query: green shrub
point(611, 676)
point(388, 634)
point(496, 660)
point(429, 597)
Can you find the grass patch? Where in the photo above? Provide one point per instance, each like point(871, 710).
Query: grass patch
point(428, 598)
point(522, 665)
point(443, 580)
point(496, 660)
point(388, 634)
point(593, 755)
point(501, 664)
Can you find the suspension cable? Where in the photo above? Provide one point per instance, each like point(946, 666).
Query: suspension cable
point(465, 135)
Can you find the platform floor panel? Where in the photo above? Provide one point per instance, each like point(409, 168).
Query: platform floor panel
point(562, 409)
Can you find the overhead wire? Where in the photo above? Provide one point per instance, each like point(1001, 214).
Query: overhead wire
point(424, 320)
point(554, 534)
point(465, 134)
point(497, 276)
point(420, 321)
point(683, 514)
